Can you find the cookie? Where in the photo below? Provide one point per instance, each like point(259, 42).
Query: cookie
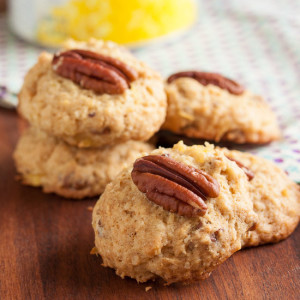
point(151, 224)
point(93, 94)
point(42, 160)
point(212, 107)
point(276, 200)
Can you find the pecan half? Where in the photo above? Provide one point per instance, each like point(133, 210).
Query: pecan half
point(206, 78)
point(93, 71)
point(175, 186)
point(247, 171)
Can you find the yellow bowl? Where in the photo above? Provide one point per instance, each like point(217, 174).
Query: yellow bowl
point(131, 22)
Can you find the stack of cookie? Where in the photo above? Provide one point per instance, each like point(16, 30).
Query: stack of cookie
point(90, 107)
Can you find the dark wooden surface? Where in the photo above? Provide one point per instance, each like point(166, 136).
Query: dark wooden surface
point(45, 243)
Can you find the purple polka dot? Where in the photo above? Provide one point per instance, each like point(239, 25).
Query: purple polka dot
point(296, 150)
point(279, 160)
point(293, 142)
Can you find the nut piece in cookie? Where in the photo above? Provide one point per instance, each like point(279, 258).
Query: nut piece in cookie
point(176, 214)
point(212, 107)
point(43, 160)
point(102, 74)
point(92, 94)
point(175, 186)
point(276, 200)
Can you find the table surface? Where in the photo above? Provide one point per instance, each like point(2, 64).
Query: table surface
point(45, 244)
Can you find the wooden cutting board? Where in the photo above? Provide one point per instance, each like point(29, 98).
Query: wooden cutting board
point(45, 244)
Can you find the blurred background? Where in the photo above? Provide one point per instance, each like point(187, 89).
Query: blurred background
point(132, 22)
point(255, 42)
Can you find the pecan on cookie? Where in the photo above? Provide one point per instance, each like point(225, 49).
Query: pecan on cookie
point(206, 78)
point(210, 106)
point(147, 241)
point(247, 171)
point(102, 74)
point(92, 95)
point(175, 186)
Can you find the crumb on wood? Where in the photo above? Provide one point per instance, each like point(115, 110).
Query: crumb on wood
point(94, 251)
point(148, 288)
point(90, 208)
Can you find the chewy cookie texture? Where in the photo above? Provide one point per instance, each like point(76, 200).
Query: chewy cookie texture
point(93, 94)
point(276, 200)
point(146, 240)
point(212, 107)
point(43, 160)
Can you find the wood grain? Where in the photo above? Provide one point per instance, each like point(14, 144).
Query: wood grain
point(3, 5)
point(45, 243)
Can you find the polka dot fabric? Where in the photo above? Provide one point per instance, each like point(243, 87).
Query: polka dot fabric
point(256, 43)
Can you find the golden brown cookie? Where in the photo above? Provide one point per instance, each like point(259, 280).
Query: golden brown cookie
point(147, 227)
point(212, 107)
point(93, 94)
point(42, 160)
point(276, 200)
